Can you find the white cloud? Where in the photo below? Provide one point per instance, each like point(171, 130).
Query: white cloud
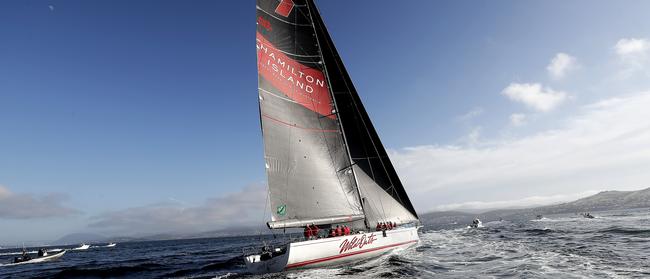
point(534, 96)
point(29, 206)
point(634, 55)
point(243, 208)
point(517, 119)
point(472, 137)
point(471, 114)
point(632, 47)
point(561, 65)
point(516, 203)
point(605, 145)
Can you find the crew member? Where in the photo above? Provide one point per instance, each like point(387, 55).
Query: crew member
point(314, 231)
point(338, 231)
point(346, 230)
point(307, 232)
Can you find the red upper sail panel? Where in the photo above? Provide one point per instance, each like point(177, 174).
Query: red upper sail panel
point(284, 8)
point(302, 84)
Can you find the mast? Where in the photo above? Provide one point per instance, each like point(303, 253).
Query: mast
point(310, 5)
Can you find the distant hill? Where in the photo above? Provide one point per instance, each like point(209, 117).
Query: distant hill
point(447, 219)
point(77, 238)
point(606, 200)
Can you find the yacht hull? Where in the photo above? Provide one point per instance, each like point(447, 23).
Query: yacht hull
point(334, 251)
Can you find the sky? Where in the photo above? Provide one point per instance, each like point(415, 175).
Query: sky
point(140, 117)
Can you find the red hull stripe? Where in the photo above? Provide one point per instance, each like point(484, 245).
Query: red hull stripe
point(294, 265)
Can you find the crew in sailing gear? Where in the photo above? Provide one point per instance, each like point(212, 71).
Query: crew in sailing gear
point(23, 258)
point(378, 228)
point(332, 233)
point(338, 231)
point(394, 225)
point(383, 226)
point(346, 230)
point(389, 225)
point(314, 231)
point(307, 232)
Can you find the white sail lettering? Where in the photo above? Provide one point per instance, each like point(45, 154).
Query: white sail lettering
point(280, 62)
point(291, 74)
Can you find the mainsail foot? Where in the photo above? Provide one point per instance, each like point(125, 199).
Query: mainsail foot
point(333, 251)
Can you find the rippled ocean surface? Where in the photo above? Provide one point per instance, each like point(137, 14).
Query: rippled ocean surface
point(613, 245)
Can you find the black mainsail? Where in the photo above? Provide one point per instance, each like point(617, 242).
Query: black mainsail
point(325, 163)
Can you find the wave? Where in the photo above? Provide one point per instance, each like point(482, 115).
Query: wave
point(232, 263)
point(106, 272)
point(626, 231)
point(539, 231)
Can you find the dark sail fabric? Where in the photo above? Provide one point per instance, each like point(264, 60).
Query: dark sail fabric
point(308, 168)
point(364, 145)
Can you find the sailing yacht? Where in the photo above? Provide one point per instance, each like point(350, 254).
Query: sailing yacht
point(325, 163)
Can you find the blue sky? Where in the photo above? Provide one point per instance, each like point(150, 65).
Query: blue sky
point(115, 112)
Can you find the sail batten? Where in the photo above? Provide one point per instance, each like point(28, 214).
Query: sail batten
point(297, 223)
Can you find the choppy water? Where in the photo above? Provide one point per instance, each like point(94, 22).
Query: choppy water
point(614, 245)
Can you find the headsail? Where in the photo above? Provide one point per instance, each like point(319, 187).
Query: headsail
point(308, 168)
point(366, 150)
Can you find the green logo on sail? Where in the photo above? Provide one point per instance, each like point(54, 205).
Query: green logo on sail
point(282, 210)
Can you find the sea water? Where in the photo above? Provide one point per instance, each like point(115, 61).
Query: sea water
point(615, 244)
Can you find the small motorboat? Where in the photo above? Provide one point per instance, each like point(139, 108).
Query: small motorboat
point(476, 224)
point(112, 244)
point(82, 247)
point(588, 215)
point(45, 258)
